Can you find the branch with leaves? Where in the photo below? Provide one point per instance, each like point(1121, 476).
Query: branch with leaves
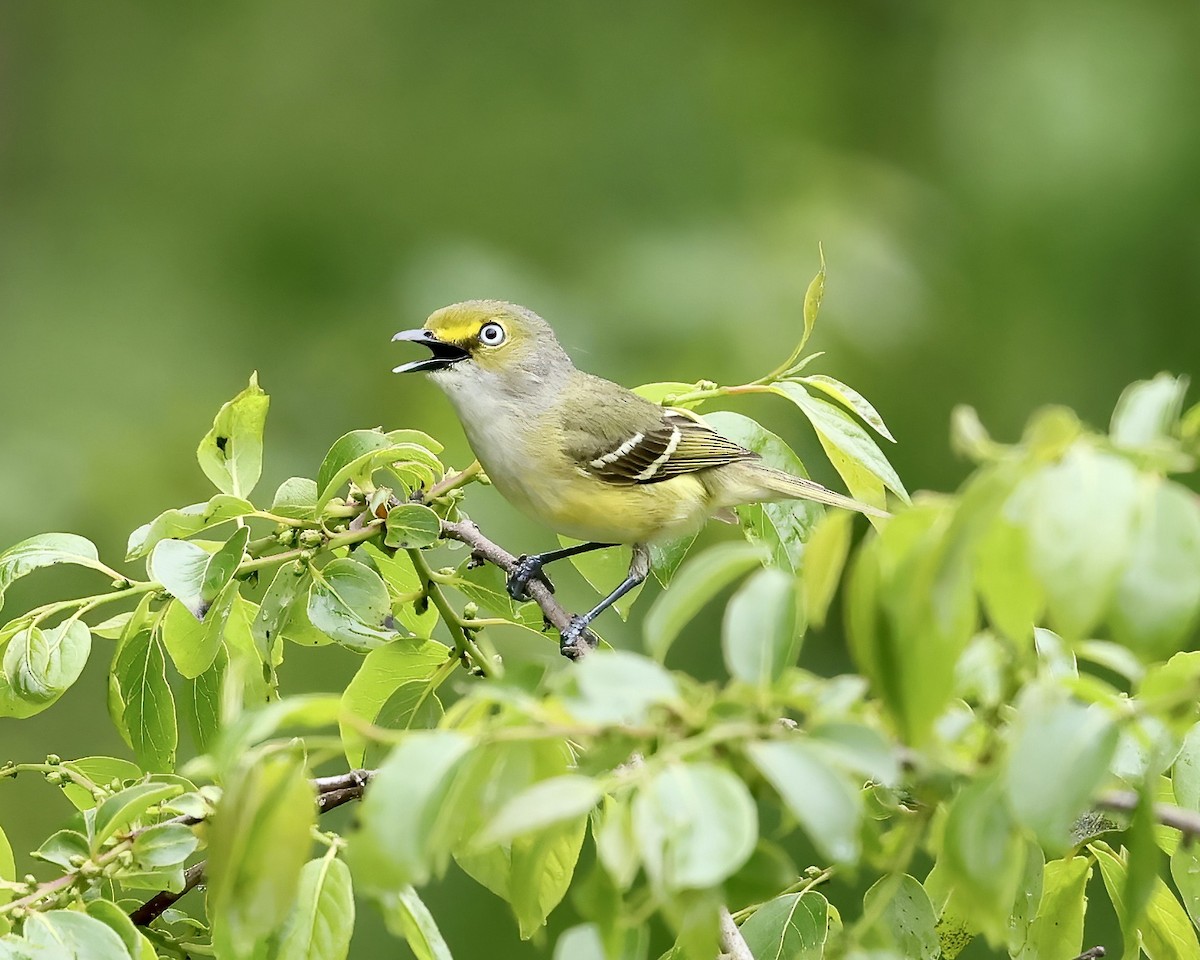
point(1019, 714)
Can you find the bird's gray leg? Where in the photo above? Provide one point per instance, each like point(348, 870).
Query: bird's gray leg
point(577, 633)
point(529, 567)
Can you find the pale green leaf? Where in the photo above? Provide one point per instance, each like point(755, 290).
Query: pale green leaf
point(39, 666)
point(404, 673)
point(148, 707)
point(45, 550)
point(123, 809)
point(186, 522)
point(695, 825)
point(791, 927)
point(408, 917)
point(851, 398)
point(412, 525)
point(759, 638)
point(698, 580)
point(322, 921)
point(1057, 928)
point(542, 805)
point(822, 798)
point(906, 920)
point(231, 452)
point(349, 603)
point(72, 935)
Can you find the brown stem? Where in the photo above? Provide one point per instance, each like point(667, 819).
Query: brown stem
point(466, 532)
point(1126, 801)
point(154, 908)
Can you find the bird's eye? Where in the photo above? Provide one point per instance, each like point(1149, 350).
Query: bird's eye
point(491, 334)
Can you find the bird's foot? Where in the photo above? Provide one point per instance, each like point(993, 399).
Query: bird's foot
point(577, 639)
point(528, 569)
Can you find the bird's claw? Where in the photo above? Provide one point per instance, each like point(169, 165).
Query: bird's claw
point(527, 570)
point(577, 638)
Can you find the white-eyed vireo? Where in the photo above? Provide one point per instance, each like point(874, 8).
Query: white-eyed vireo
point(582, 455)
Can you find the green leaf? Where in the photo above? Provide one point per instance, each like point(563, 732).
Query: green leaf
point(1011, 593)
point(194, 644)
point(231, 452)
point(403, 819)
point(616, 687)
point(544, 804)
point(118, 920)
point(839, 432)
point(200, 704)
point(123, 809)
point(404, 675)
point(665, 390)
point(857, 749)
point(1147, 412)
point(408, 917)
point(851, 398)
point(604, 570)
point(582, 942)
point(1029, 896)
point(402, 580)
point(412, 525)
point(322, 921)
point(665, 558)
point(147, 706)
point(39, 666)
point(695, 825)
point(531, 872)
point(61, 846)
point(783, 527)
point(102, 771)
point(911, 613)
point(1057, 929)
point(1165, 932)
point(258, 841)
point(186, 522)
point(1079, 516)
point(812, 303)
point(8, 871)
point(823, 563)
point(822, 799)
point(348, 602)
point(982, 852)
point(759, 638)
point(45, 550)
point(296, 498)
point(74, 936)
point(1185, 775)
point(791, 927)
point(1058, 755)
point(696, 583)
point(194, 577)
point(282, 606)
point(1185, 871)
point(1158, 594)
point(164, 845)
point(356, 455)
point(906, 923)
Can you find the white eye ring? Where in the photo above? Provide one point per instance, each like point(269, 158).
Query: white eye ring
point(492, 334)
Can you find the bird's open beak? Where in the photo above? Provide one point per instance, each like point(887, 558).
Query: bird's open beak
point(444, 354)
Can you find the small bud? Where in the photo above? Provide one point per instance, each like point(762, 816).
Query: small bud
point(811, 872)
point(446, 572)
point(471, 610)
point(286, 537)
point(30, 881)
point(53, 776)
point(121, 583)
point(53, 759)
point(311, 538)
point(77, 860)
point(90, 869)
point(125, 858)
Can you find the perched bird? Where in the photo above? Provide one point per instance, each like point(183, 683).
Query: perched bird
point(583, 455)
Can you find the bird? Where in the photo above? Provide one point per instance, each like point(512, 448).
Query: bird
point(585, 456)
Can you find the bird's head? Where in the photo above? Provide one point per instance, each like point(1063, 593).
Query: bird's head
point(485, 340)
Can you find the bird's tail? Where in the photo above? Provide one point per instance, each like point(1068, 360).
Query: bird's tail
point(752, 481)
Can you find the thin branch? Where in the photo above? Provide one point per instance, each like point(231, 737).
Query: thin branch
point(157, 905)
point(1094, 954)
point(483, 548)
point(733, 944)
point(1169, 815)
point(332, 792)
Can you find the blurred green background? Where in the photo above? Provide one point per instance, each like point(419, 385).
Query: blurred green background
point(1007, 195)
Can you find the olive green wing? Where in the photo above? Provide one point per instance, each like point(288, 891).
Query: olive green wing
point(614, 435)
